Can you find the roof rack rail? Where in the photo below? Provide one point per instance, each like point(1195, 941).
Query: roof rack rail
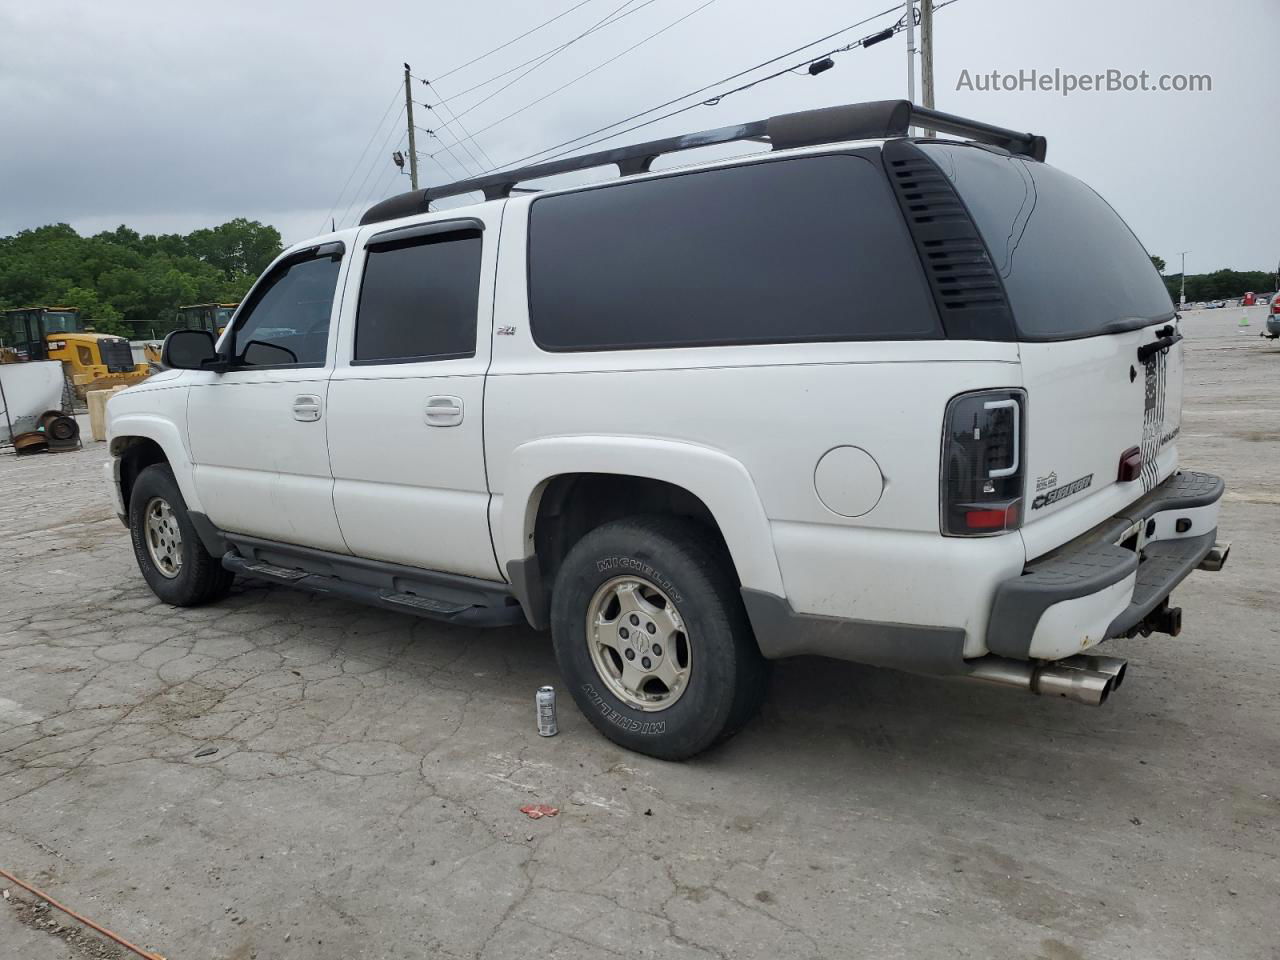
point(853, 121)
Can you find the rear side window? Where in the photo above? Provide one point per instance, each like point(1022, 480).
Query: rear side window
point(1071, 267)
point(418, 300)
point(783, 251)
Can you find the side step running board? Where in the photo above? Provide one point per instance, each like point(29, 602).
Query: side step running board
point(481, 613)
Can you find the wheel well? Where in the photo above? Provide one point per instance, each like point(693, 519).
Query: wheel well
point(136, 454)
point(572, 505)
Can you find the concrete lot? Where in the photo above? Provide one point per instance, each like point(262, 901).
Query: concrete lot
point(363, 800)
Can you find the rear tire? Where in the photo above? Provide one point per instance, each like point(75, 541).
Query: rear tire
point(173, 560)
point(652, 638)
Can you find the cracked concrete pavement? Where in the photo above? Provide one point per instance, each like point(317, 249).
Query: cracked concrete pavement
point(363, 798)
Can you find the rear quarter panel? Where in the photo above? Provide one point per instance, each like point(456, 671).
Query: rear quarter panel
point(774, 409)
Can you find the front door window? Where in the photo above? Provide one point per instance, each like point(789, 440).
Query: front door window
point(287, 321)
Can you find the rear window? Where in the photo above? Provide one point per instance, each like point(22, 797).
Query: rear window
point(1071, 267)
point(784, 251)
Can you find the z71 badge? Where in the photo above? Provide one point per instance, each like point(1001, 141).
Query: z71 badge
point(1061, 493)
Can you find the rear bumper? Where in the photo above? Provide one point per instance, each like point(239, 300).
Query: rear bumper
point(1273, 326)
point(1113, 581)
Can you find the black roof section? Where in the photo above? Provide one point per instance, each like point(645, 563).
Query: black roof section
point(854, 121)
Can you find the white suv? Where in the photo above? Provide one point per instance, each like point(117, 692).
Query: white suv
point(911, 403)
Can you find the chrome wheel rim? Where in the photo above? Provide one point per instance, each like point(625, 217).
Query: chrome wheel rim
point(163, 536)
point(639, 644)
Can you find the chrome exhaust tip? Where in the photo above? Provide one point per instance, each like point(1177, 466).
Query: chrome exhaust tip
point(1082, 686)
point(1082, 678)
point(1114, 667)
point(1216, 558)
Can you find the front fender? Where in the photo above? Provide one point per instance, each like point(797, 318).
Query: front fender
point(126, 421)
point(718, 480)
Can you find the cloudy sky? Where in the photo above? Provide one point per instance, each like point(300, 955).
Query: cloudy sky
point(174, 115)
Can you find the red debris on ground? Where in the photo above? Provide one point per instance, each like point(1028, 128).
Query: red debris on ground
point(536, 811)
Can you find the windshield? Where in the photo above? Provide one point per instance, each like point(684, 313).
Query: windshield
point(1071, 267)
point(61, 321)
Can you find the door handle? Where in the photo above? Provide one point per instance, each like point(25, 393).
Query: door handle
point(306, 408)
point(444, 411)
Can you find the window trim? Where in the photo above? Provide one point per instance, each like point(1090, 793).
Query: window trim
point(869, 155)
point(420, 231)
point(428, 229)
point(333, 250)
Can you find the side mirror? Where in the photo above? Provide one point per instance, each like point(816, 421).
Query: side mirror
point(188, 350)
point(260, 354)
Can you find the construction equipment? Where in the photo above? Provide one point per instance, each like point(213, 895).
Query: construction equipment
point(213, 317)
point(89, 359)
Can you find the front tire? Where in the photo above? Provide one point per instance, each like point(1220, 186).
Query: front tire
point(173, 561)
point(652, 638)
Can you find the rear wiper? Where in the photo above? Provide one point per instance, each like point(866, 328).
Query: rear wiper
point(1124, 324)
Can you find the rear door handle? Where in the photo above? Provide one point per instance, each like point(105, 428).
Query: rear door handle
point(444, 411)
point(306, 408)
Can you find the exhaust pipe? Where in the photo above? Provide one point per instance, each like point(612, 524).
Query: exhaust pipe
point(1114, 667)
point(1216, 557)
point(1069, 678)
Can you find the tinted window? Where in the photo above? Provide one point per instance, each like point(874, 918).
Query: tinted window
point(287, 322)
point(1071, 266)
point(780, 251)
point(418, 300)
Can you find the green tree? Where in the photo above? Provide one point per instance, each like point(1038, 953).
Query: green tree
point(1158, 263)
point(237, 247)
point(130, 281)
point(101, 316)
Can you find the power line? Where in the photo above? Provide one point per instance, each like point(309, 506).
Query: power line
point(455, 118)
point(543, 62)
point(503, 46)
point(702, 89)
point(447, 148)
point(381, 152)
point(360, 159)
point(518, 66)
point(382, 183)
point(598, 66)
point(379, 185)
point(467, 135)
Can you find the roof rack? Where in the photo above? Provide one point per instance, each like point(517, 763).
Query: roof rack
point(854, 121)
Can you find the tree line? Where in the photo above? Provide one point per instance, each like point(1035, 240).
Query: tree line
point(1219, 285)
point(125, 281)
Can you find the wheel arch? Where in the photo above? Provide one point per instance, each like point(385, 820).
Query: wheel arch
point(138, 441)
point(555, 477)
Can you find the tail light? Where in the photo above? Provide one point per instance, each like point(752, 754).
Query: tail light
point(982, 463)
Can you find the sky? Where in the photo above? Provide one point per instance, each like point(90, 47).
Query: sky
point(170, 116)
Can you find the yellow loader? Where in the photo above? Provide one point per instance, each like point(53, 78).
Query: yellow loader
point(89, 360)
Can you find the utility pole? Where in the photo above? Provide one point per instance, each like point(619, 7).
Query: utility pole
point(926, 56)
point(1182, 297)
point(911, 57)
point(413, 150)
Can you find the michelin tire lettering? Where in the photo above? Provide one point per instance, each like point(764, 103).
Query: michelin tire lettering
point(618, 719)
